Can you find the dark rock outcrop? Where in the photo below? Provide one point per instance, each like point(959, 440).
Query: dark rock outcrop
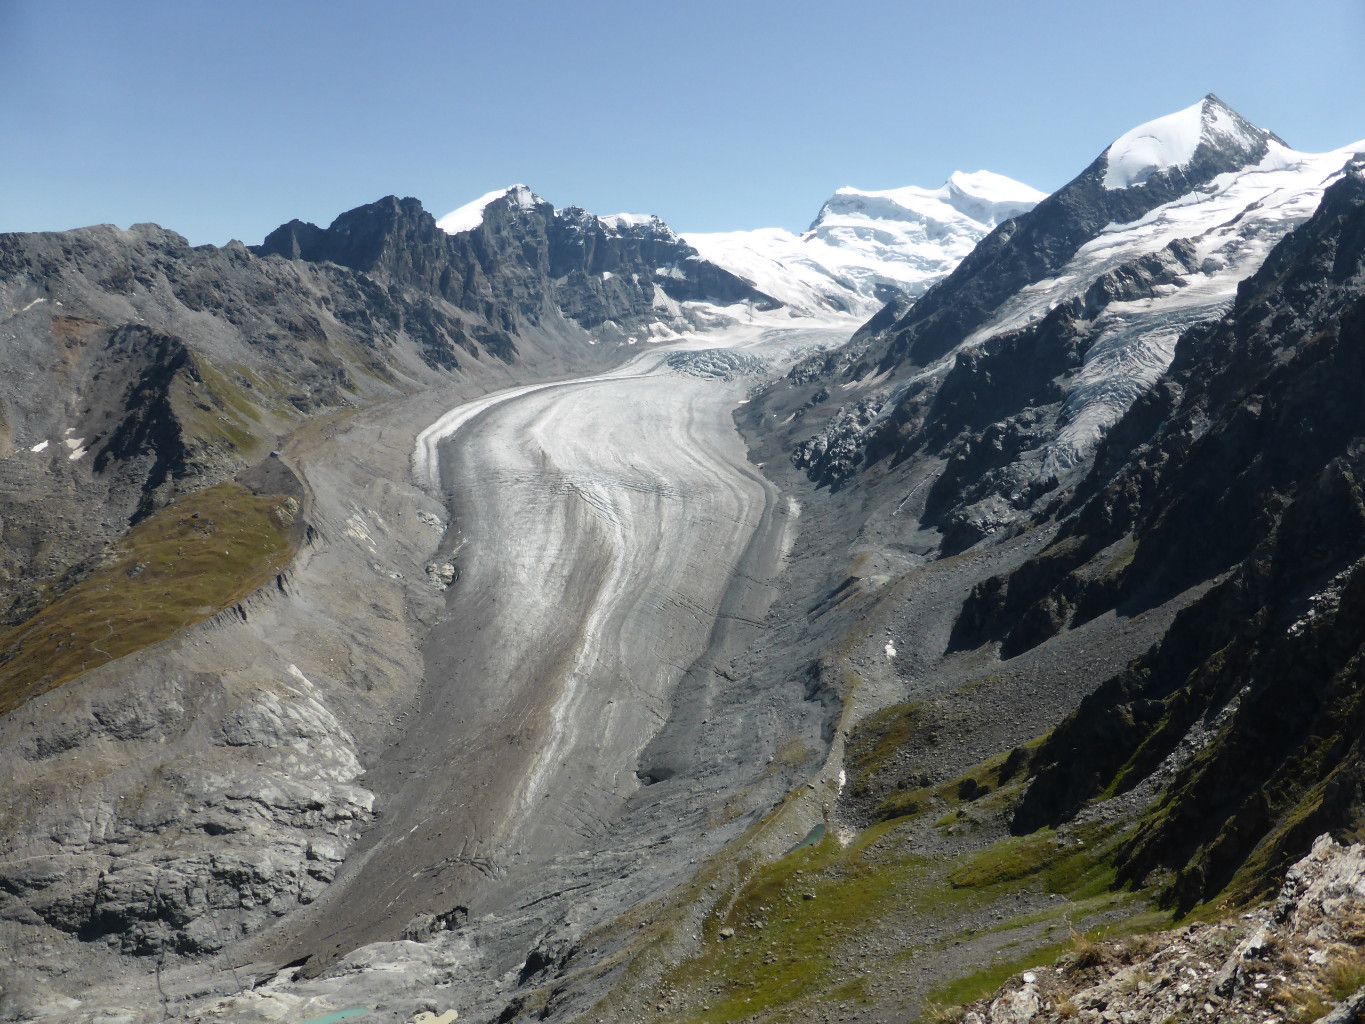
point(1245, 468)
point(524, 260)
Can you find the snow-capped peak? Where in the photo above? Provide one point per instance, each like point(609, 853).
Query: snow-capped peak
point(989, 187)
point(867, 245)
point(1172, 141)
point(470, 215)
point(990, 198)
point(984, 197)
point(1139, 285)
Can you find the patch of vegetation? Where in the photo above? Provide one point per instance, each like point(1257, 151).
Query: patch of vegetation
point(790, 931)
point(1344, 976)
point(877, 739)
point(1259, 875)
point(779, 937)
point(1066, 546)
point(1303, 1005)
point(1078, 954)
point(1121, 559)
point(214, 408)
point(179, 566)
point(980, 684)
point(1081, 868)
point(792, 753)
point(1002, 775)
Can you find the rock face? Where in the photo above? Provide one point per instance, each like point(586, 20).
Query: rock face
point(524, 261)
point(1298, 959)
point(247, 817)
point(1242, 467)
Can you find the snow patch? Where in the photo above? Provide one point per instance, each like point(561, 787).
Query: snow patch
point(890, 649)
point(40, 446)
point(1170, 142)
point(1156, 146)
point(470, 215)
point(628, 220)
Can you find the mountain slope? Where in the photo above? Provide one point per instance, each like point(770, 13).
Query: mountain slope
point(866, 248)
point(1202, 489)
point(1013, 368)
point(1040, 245)
point(1244, 467)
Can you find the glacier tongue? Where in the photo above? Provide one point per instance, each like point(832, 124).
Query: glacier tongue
point(866, 246)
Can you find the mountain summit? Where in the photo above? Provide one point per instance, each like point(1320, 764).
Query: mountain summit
point(470, 215)
point(868, 247)
point(984, 197)
point(1209, 130)
point(1155, 164)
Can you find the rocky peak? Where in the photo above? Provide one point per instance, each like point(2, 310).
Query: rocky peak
point(501, 204)
point(360, 239)
point(509, 250)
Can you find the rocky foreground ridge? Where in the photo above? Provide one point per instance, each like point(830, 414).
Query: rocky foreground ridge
point(1300, 958)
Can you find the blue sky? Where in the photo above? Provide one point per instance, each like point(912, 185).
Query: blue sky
point(223, 120)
